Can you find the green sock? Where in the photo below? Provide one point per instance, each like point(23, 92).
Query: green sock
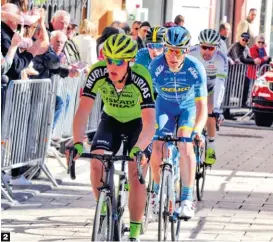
point(104, 209)
point(135, 228)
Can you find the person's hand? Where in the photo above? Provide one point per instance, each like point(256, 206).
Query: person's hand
point(266, 58)
point(63, 59)
point(219, 117)
point(16, 39)
point(257, 61)
point(78, 147)
point(73, 72)
point(134, 151)
point(42, 16)
point(196, 136)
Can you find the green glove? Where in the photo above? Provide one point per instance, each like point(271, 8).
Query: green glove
point(78, 147)
point(134, 151)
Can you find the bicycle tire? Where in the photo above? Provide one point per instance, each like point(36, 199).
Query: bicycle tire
point(99, 219)
point(175, 224)
point(163, 218)
point(147, 211)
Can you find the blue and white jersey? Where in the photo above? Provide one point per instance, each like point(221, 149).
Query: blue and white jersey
point(143, 57)
point(183, 87)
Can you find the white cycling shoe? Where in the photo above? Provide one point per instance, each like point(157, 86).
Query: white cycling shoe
point(187, 209)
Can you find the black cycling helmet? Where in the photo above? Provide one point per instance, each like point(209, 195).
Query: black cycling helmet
point(155, 35)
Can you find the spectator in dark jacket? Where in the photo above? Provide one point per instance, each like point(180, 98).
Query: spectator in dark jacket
point(71, 49)
point(135, 28)
point(142, 32)
point(21, 60)
point(106, 33)
point(239, 53)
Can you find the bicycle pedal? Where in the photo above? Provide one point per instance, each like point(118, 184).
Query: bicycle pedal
point(184, 218)
point(126, 229)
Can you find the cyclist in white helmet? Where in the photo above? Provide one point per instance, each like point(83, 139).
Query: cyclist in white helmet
point(216, 65)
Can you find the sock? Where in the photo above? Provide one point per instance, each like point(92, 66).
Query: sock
point(135, 228)
point(155, 187)
point(211, 143)
point(187, 193)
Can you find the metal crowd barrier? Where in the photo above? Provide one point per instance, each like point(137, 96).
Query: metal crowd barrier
point(72, 88)
point(240, 79)
point(25, 128)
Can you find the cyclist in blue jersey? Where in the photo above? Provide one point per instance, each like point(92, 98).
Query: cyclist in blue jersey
point(155, 46)
point(216, 65)
point(181, 83)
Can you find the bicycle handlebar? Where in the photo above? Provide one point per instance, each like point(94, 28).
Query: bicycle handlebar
point(170, 138)
point(108, 158)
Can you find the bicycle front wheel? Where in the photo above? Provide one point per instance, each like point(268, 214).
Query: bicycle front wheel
point(103, 221)
point(147, 211)
point(163, 216)
point(200, 176)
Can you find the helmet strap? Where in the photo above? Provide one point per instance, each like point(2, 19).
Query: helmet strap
point(125, 75)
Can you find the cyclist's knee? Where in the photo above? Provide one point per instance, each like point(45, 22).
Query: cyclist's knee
point(95, 164)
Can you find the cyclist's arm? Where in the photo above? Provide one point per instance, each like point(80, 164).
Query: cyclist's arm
point(147, 111)
point(148, 128)
point(219, 89)
point(201, 93)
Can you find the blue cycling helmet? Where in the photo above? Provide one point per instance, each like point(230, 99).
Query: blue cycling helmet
point(178, 37)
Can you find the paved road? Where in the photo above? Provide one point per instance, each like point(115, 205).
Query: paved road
point(237, 206)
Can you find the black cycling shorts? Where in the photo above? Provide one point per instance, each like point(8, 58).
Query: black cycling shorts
point(108, 135)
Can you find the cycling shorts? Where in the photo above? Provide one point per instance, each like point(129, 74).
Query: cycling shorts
point(108, 135)
point(210, 88)
point(168, 115)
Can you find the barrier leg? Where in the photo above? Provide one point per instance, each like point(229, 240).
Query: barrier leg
point(57, 156)
point(249, 113)
point(7, 196)
point(48, 174)
point(6, 185)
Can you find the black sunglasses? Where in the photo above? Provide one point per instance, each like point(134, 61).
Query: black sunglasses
point(210, 48)
point(245, 40)
point(261, 42)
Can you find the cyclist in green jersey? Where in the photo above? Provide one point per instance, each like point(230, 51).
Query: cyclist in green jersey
point(129, 109)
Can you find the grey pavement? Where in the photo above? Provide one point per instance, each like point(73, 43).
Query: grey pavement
point(237, 206)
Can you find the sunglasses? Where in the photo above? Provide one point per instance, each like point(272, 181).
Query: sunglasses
point(155, 46)
point(245, 40)
point(136, 28)
point(145, 30)
point(210, 48)
point(176, 52)
point(116, 62)
point(261, 42)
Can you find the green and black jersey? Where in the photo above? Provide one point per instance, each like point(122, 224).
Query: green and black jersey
point(126, 105)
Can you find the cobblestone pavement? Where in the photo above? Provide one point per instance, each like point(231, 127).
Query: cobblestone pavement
point(237, 206)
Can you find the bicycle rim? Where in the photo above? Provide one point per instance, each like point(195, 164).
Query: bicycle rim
point(200, 180)
point(147, 211)
point(163, 216)
point(175, 224)
point(103, 223)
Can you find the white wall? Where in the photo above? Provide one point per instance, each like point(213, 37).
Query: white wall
point(155, 11)
point(196, 14)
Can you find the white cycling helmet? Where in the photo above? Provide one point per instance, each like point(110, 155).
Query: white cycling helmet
point(209, 36)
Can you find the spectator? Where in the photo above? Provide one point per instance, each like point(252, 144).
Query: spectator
point(106, 33)
point(71, 50)
point(21, 60)
point(86, 42)
point(57, 41)
point(179, 20)
point(239, 52)
point(60, 21)
point(169, 25)
point(135, 28)
point(21, 4)
point(246, 26)
point(142, 32)
point(224, 31)
point(126, 28)
point(116, 24)
point(258, 51)
point(9, 27)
